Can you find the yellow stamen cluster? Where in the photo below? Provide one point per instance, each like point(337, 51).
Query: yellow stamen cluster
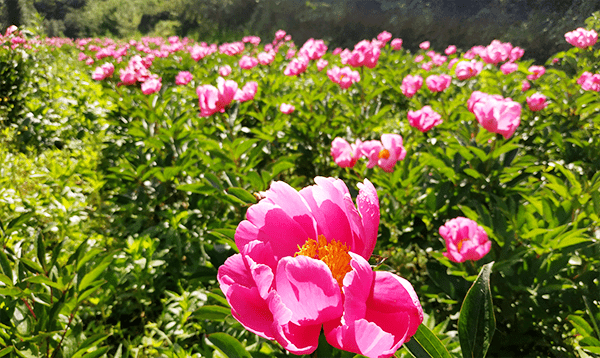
point(384, 154)
point(334, 254)
point(459, 244)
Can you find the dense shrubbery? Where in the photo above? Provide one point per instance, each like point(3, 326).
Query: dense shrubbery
point(115, 225)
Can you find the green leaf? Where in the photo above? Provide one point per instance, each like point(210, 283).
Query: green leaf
point(228, 345)
point(242, 194)
point(97, 353)
point(6, 350)
point(5, 264)
point(476, 324)
point(41, 251)
point(87, 280)
point(580, 325)
point(213, 313)
point(45, 280)
point(425, 344)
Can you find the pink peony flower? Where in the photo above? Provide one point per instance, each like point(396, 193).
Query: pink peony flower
point(286, 108)
point(183, 78)
point(509, 67)
point(467, 69)
point(536, 102)
point(279, 35)
point(247, 92)
point(465, 240)
point(419, 58)
point(411, 84)
point(152, 85)
point(337, 51)
point(525, 85)
point(313, 49)
point(452, 63)
point(384, 153)
point(589, 82)
point(225, 70)
point(287, 37)
point(290, 53)
point(536, 72)
point(255, 40)
point(582, 38)
point(321, 64)
point(437, 83)
point(365, 53)
point(427, 66)
point(495, 52)
point(297, 66)
point(396, 44)
point(212, 100)
point(424, 119)
point(496, 114)
point(384, 37)
point(89, 61)
point(232, 49)
point(450, 50)
point(104, 71)
point(247, 62)
point(303, 268)
point(344, 77)
point(424, 45)
point(516, 53)
point(438, 59)
point(345, 154)
point(266, 58)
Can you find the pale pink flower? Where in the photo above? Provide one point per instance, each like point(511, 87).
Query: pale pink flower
point(396, 44)
point(279, 35)
point(450, 50)
point(247, 62)
point(419, 58)
point(525, 85)
point(424, 45)
point(465, 240)
point(497, 115)
point(469, 55)
point(10, 30)
point(384, 153)
point(247, 92)
point(103, 71)
point(232, 48)
point(427, 65)
point(266, 58)
point(384, 37)
point(370, 150)
point(424, 119)
point(337, 51)
point(290, 53)
point(255, 40)
point(467, 69)
point(89, 61)
point(344, 77)
point(437, 83)
point(495, 52)
point(183, 78)
point(127, 76)
point(152, 85)
point(296, 66)
point(589, 82)
point(286, 108)
point(411, 84)
point(82, 56)
point(536, 72)
point(287, 37)
point(452, 63)
point(438, 59)
point(345, 154)
point(584, 76)
point(509, 67)
point(225, 70)
point(303, 268)
point(321, 64)
point(516, 53)
point(313, 49)
point(582, 38)
point(537, 102)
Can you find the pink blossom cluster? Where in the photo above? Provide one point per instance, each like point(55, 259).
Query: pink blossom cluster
point(247, 62)
point(536, 72)
point(232, 49)
point(183, 78)
point(297, 66)
point(411, 84)
point(384, 37)
point(509, 67)
point(266, 57)
point(424, 119)
point(465, 240)
point(313, 49)
point(589, 81)
point(396, 44)
point(321, 64)
point(136, 70)
point(365, 53)
point(495, 52)
point(536, 102)
point(438, 83)
point(213, 99)
point(495, 113)
point(286, 108)
point(384, 153)
point(255, 40)
point(467, 69)
point(199, 51)
point(344, 77)
point(582, 38)
point(104, 71)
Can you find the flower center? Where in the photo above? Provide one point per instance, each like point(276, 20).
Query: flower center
point(334, 254)
point(384, 154)
point(459, 244)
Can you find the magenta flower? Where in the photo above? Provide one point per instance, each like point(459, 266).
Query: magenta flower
point(255, 40)
point(465, 240)
point(384, 37)
point(437, 83)
point(589, 81)
point(496, 114)
point(525, 85)
point(296, 66)
point(536, 72)
point(467, 69)
point(427, 65)
point(411, 84)
point(452, 63)
point(183, 78)
point(345, 154)
point(396, 44)
point(247, 92)
point(232, 49)
point(509, 67)
point(212, 100)
point(384, 153)
point(151, 85)
point(303, 267)
point(424, 45)
point(321, 64)
point(337, 51)
point(313, 49)
point(495, 52)
point(370, 150)
point(536, 102)
point(279, 35)
point(365, 53)
point(104, 71)
point(344, 77)
point(286, 108)
point(247, 62)
point(582, 38)
point(424, 119)
point(225, 70)
point(438, 59)
point(516, 53)
point(266, 58)
point(450, 50)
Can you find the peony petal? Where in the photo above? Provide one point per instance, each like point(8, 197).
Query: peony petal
point(234, 272)
point(362, 337)
point(368, 207)
point(294, 205)
point(308, 289)
point(251, 310)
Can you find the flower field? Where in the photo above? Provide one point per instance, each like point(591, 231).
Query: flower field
point(261, 198)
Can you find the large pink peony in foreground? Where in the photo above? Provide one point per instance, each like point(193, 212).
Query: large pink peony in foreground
point(303, 266)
